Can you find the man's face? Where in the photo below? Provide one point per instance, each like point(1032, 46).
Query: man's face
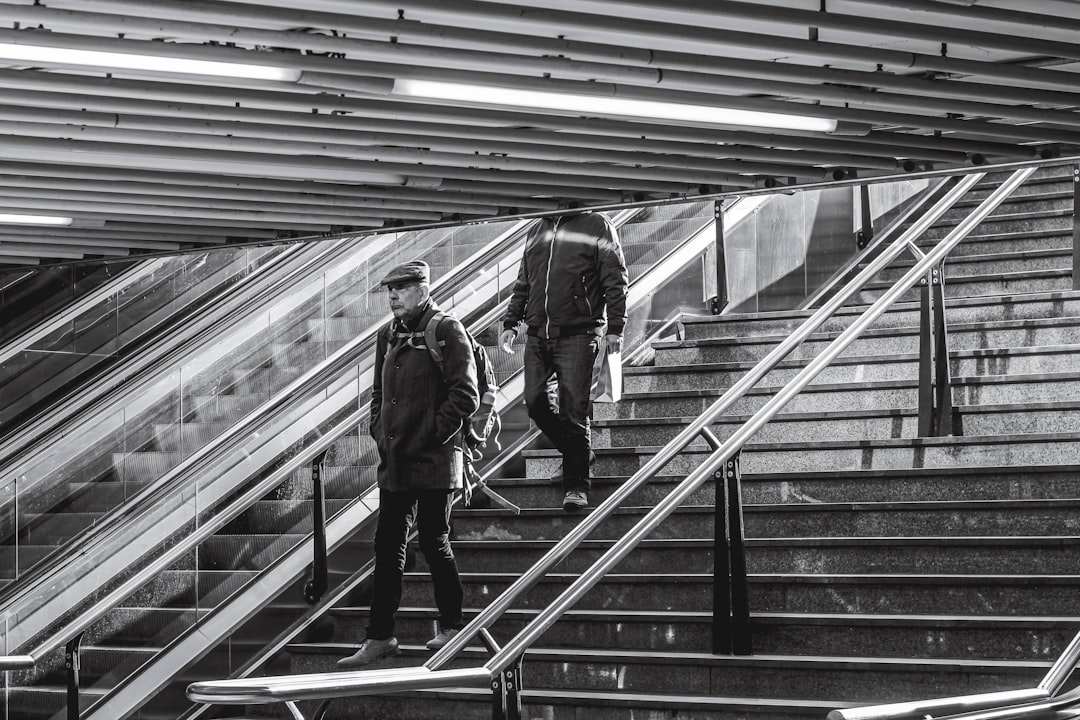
point(406, 298)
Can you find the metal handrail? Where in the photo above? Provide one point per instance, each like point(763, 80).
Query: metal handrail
point(286, 689)
point(15, 662)
point(976, 705)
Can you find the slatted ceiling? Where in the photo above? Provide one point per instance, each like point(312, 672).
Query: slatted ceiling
point(153, 163)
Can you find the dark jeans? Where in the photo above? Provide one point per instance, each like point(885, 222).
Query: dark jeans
point(558, 383)
point(430, 509)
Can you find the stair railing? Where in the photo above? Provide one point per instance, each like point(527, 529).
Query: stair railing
point(1042, 700)
point(502, 671)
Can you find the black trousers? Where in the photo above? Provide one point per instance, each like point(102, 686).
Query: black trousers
point(558, 384)
point(430, 510)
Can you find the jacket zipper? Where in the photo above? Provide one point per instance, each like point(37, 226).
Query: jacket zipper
point(547, 280)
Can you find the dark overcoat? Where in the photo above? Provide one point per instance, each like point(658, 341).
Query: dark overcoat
point(417, 409)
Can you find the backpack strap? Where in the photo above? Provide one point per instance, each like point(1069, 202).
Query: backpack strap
point(434, 345)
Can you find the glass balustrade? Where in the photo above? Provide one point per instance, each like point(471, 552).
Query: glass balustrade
point(61, 352)
point(143, 433)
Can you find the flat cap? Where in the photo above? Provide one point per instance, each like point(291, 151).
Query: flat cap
point(415, 271)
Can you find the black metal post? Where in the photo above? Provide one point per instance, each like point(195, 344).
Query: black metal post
point(731, 596)
point(741, 641)
point(943, 404)
point(926, 367)
point(722, 630)
point(71, 666)
point(1076, 226)
point(506, 700)
point(316, 587)
point(719, 302)
point(866, 222)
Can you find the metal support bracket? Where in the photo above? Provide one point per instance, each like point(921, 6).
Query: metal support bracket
point(506, 689)
point(731, 599)
point(316, 587)
point(71, 667)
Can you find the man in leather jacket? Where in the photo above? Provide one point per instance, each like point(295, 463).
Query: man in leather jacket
point(572, 274)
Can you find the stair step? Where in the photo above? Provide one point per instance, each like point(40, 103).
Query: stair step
point(873, 368)
point(886, 341)
point(966, 266)
point(912, 519)
point(1008, 555)
point(698, 673)
point(978, 483)
point(1036, 306)
point(969, 393)
point(925, 594)
point(847, 634)
point(1012, 283)
point(975, 420)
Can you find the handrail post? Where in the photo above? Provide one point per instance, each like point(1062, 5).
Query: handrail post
point(865, 233)
point(314, 589)
point(926, 367)
point(720, 300)
point(71, 667)
point(506, 692)
point(742, 643)
point(1076, 227)
point(731, 596)
point(721, 624)
point(943, 414)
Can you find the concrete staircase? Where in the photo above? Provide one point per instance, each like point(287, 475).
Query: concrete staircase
point(883, 567)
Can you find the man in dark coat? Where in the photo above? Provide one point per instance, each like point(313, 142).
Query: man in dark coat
point(572, 275)
point(417, 414)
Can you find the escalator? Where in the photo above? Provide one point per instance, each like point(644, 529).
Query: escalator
point(64, 353)
point(250, 525)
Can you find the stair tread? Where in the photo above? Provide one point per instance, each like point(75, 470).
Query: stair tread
point(816, 618)
point(677, 657)
point(737, 365)
point(980, 326)
point(1062, 405)
point(858, 309)
point(803, 578)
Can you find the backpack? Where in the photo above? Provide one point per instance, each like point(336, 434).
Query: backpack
point(481, 430)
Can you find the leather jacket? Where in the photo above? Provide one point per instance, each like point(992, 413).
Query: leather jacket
point(571, 272)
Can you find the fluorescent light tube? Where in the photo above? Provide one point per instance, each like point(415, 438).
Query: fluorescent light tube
point(143, 63)
point(34, 219)
point(593, 104)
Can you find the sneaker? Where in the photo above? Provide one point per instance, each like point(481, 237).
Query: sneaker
point(575, 500)
point(442, 638)
point(369, 652)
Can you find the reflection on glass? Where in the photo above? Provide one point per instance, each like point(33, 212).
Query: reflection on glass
point(55, 358)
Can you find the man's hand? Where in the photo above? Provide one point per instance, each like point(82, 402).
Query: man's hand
point(614, 343)
point(506, 340)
